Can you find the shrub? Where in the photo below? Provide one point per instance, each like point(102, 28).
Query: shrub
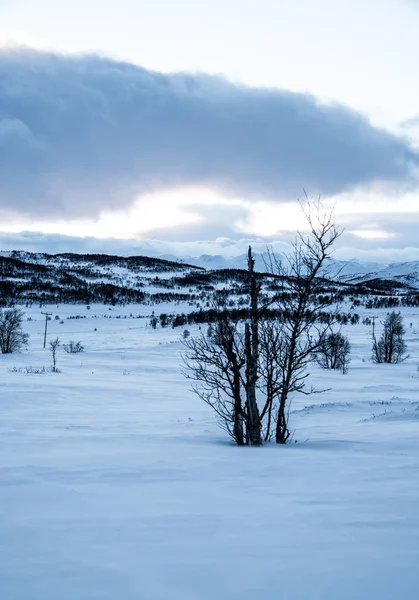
point(12, 337)
point(73, 347)
point(333, 352)
point(391, 347)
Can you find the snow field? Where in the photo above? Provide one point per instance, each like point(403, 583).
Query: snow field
point(116, 482)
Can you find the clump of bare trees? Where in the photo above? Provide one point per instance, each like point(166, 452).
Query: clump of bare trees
point(334, 352)
point(390, 347)
point(248, 370)
point(12, 336)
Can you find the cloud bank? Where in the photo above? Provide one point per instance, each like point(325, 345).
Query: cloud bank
point(348, 249)
point(79, 134)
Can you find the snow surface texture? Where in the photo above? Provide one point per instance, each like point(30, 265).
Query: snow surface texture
point(116, 482)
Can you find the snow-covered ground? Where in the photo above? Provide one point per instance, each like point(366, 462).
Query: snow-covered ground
point(116, 482)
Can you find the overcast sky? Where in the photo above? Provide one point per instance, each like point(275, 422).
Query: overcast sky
point(193, 120)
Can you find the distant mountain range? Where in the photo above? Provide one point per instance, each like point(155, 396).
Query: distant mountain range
point(352, 271)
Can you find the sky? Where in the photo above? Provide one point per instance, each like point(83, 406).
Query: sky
point(178, 122)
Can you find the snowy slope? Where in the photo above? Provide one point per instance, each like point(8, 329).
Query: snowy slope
point(90, 278)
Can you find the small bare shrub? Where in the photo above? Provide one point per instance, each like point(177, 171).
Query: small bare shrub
point(31, 370)
point(73, 347)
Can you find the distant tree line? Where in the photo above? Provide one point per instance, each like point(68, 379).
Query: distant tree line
point(213, 315)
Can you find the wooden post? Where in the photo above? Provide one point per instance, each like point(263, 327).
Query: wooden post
point(47, 314)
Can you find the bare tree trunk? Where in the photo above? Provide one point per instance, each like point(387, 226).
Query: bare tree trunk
point(238, 416)
point(282, 431)
point(252, 359)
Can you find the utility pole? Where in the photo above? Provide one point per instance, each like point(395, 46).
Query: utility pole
point(47, 314)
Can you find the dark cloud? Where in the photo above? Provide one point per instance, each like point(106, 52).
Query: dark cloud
point(82, 133)
point(55, 243)
point(348, 247)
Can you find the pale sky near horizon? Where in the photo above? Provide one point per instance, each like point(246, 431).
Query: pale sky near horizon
point(359, 54)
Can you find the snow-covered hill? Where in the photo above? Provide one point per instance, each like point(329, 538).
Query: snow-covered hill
point(351, 271)
point(86, 278)
point(404, 273)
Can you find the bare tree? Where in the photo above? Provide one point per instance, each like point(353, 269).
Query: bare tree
point(271, 359)
point(12, 336)
point(301, 277)
point(248, 370)
point(216, 362)
point(334, 352)
point(53, 346)
point(390, 347)
point(225, 364)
